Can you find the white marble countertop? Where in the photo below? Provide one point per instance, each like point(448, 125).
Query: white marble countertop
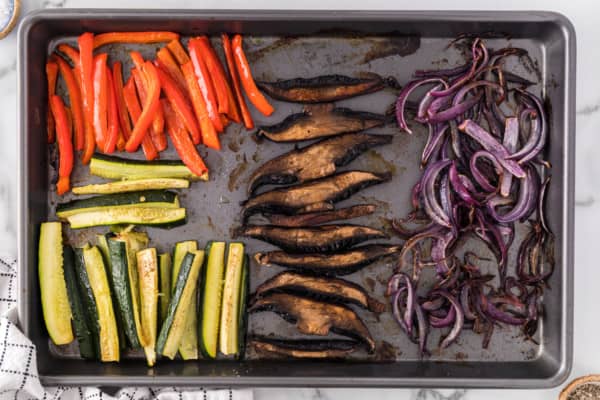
point(583, 14)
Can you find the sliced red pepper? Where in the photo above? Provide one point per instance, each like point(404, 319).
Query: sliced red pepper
point(182, 142)
point(70, 52)
point(180, 104)
point(157, 136)
point(243, 69)
point(158, 124)
point(178, 52)
point(121, 141)
point(207, 129)
point(100, 100)
point(134, 37)
point(135, 111)
point(65, 146)
point(215, 72)
point(149, 110)
point(235, 80)
point(75, 101)
point(205, 84)
point(86, 66)
point(112, 136)
point(117, 76)
point(51, 74)
point(165, 60)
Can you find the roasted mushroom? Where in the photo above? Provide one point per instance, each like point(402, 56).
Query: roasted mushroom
point(324, 238)
point(315, 161)
point(315, 317)
point(319, 121)
point(303, 348)
point(321, 217)
point(321, 89)
point(327, 289)
point(341, 263)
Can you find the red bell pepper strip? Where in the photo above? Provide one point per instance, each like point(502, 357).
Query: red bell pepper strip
point(215, 72)
point(70, 52)
point(100, 100)
point(180, 104)
point(178, 52)
point(149, 110)
point(75, 101)
point(65, 147)
point(158, 124)
point(165, 60)
point(235, 79)
point(205, 84)
point(135, 111)
point(134, 37)
point(86, 69)
point(157, 136)
point(182, 142)
point(243, 69)
point(117, 77)
point(112, 136)
point(51, 74)
point(207, 129)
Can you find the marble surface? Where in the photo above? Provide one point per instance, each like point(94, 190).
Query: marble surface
point(584, 15)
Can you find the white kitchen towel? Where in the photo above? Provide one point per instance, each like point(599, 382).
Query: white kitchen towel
point(18, 364)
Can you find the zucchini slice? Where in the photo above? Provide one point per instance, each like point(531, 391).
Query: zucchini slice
point(147, 266)
point(172, 329)
point(230, 307)
point(211, 299)
point(133, 186)
point(87, 299)
point(150, 198)
point(80, 324)
point(188, 347)
point(243, 315)
point(108, 335)
point(159, 217)
point(53, 289)
point(164, 277)
point(122, 251)
point(112, 167)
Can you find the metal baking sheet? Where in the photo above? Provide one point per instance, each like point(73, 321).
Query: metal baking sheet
point(286, 45)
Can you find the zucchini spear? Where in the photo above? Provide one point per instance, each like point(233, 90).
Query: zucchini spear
point(188, 348)
point(147, 268)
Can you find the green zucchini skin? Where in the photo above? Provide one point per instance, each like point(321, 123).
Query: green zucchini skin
point(159, 217)
point(141, 198)
point(133, 185)
point(243, 315)
point(117, 251)
point(172, 328)
point(211, 299)
point(112, 167)
point(165, 267)
point(87, 300)
point(80, 323)
point(188, 348)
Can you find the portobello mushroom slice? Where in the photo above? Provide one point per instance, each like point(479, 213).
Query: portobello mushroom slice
point(303, 348)
point(321, 89)
point(315, 195)
point(319, 121)
point(328, 289)
point(342, 263)
point(316, 317)
point(321, 217)
point(324, 238)
point(315, 161)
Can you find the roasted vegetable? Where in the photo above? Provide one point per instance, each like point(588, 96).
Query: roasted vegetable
point(328, 289)
point(132, 186)
point(321, 89)
point(53, 289)
point(164, 276)
point(316, 195)
point(111, 167)
point(211, 299)
point(324, 238)
point(159, 217)
point(315, 317)
point(147, 269)
point(188, 347)
point(303, 348)
point(230, 329)
point(318, 121)
point(321, 217)
point(341, 263)
point(315, 161)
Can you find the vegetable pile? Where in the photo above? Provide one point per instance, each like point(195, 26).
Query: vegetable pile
point(481, 176)
point(106, 114)
point(120, 294)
